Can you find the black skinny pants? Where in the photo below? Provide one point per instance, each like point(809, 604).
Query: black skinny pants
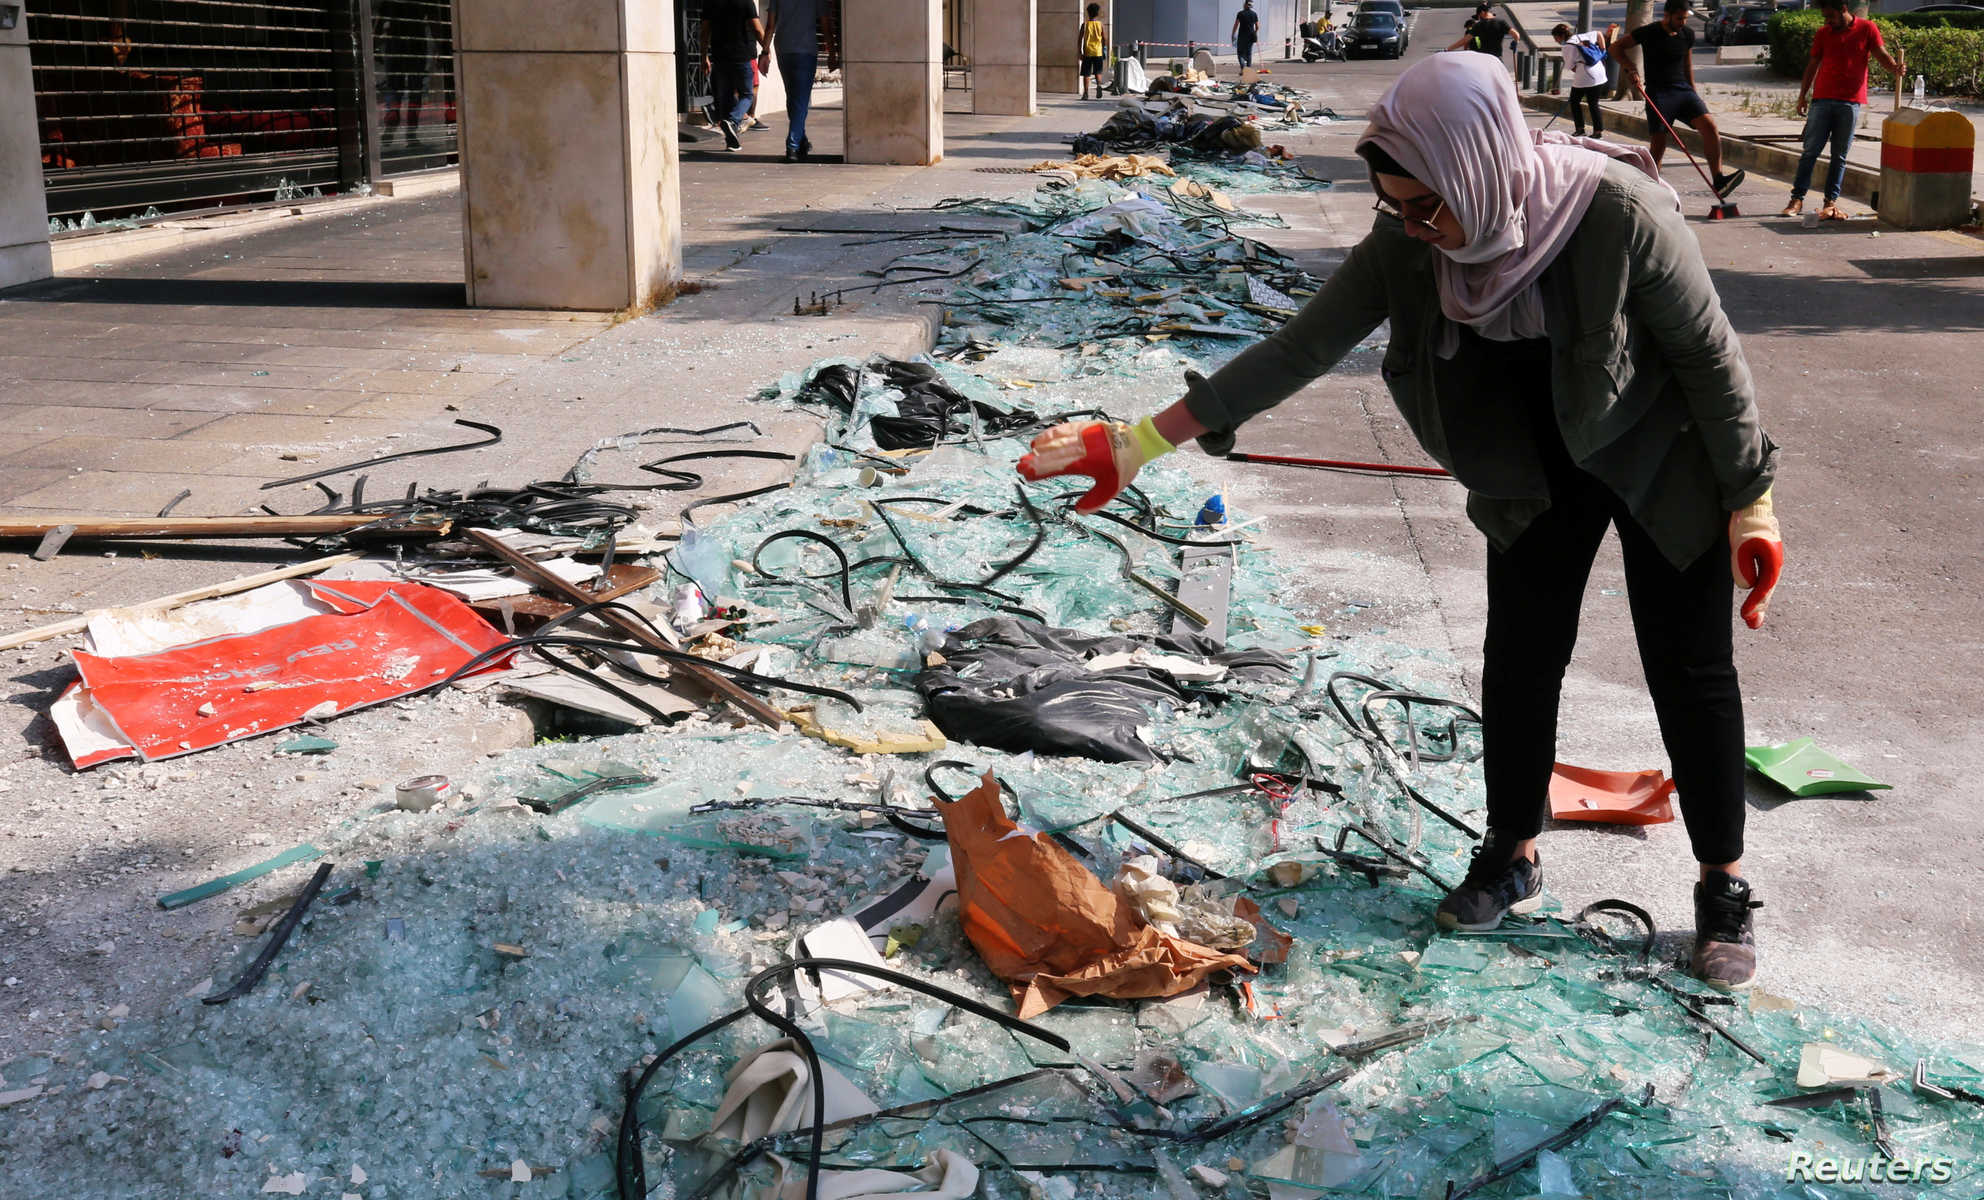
point(1682, 621)
point(1588, 96)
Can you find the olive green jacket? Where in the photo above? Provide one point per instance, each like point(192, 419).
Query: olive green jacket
point(1651, 391)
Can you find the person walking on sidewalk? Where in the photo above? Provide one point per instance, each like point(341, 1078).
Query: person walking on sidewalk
point(1584, 62)
point(1246, 31)
point(794, 30)
point(731, 35)
point(1558, 345)
point(1668, 46)
point(1094, 40)
point(1836, 80)
point(1486, 33)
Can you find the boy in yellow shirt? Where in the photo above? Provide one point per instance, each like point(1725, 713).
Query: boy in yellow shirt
point(1093, 43)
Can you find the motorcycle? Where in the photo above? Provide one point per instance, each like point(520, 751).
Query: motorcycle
point(1320, 46)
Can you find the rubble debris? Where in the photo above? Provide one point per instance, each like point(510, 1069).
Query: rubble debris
point(1018, 686)
point(168, 603)
point(376, 642)
point(215, 887)
point(1048, 926)
point(422, 792)
point(277, 939)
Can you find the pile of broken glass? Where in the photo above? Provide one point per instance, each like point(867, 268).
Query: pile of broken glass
point(472, 1019)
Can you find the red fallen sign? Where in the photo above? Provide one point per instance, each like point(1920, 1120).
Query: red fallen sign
point(380, 640)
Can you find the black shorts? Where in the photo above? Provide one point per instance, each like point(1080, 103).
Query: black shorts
point(1681, 106)
point(1092, 66)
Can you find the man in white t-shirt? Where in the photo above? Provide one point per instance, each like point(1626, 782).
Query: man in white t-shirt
point(1584, 64)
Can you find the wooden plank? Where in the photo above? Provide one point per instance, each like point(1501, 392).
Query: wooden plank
point(178, 599)
point(204, 527)
point(575, 595)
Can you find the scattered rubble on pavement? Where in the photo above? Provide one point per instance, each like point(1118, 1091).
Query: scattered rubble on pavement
point(885, 747)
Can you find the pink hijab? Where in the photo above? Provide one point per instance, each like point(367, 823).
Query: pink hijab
point(1452, 121)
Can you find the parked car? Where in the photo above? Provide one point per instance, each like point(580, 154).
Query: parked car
point(1750, 28)
point(1716, 26)
point(1943, 8)
point(1375, 32)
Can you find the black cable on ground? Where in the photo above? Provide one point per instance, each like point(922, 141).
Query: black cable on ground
point(630, 1168)
point(253, 975)
point(807, 535)
point(495, 435)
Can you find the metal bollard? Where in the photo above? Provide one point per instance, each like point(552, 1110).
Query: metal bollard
point(1522, 68)
point(1556, 75)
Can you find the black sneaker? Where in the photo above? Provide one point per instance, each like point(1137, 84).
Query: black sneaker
point(805, 149)
point(1725, 937)
point(1728, 183)
point(791, 154)
point(1497, 884)
point(730, 139)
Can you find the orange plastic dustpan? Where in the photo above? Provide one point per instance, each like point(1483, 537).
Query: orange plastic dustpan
point(1611, 797)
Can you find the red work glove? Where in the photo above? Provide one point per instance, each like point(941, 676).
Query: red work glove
point(1756, 556)
point(1109, 452)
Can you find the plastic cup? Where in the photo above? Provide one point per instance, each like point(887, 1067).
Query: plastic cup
point(1812, 219)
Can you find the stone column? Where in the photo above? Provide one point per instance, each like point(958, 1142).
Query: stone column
point(570, 183)
point(1060, 57)
point(24, 254)
point(892, 59)
point(1004, 56)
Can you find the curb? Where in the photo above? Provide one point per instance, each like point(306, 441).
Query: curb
point(1862, 183)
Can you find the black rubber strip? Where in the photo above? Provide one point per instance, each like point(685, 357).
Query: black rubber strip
point(495, 436)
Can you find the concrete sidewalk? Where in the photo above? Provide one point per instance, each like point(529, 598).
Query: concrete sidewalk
point(1753, 106)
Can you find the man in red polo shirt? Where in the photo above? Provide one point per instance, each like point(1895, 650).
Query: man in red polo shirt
point(1836, 79)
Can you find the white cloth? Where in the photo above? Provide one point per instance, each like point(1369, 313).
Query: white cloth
point(1581, 72)
point(771, 1091)
point(947, 1176)
point(1452, 122)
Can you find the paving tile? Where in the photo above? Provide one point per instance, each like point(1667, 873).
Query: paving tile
point(173, 456)
point(193, 397)
point(78, 393)
point(425, 383)
point(242, 375)
point(19, 481)
point(138, 493)
point(400, 407)
point(20, 366)
point(276, 429)
point(68, 421)
point(349, 357)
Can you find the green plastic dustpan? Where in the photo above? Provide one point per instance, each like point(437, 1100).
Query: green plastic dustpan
point(1803, 769)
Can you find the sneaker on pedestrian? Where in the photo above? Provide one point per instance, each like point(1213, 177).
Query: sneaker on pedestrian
point(1499, 882)
point(731, 141)
point(1725, 937)
point(791, 154)
point(1725, 184)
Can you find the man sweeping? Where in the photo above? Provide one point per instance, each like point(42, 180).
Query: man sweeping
point(1669, 89)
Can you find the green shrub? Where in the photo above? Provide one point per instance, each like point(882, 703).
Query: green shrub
point(1950, 58)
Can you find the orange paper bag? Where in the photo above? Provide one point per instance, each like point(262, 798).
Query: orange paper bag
point(1046, 925)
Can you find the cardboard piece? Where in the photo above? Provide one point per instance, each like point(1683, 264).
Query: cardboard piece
point(1047, 926)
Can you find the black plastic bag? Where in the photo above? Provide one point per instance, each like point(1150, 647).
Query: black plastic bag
point(1018, 685)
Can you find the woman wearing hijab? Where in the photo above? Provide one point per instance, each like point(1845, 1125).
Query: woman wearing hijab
point(1557, 344)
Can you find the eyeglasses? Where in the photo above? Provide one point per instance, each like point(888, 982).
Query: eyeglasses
point(1409, 211)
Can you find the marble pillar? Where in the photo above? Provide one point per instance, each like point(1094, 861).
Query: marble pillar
point(24, 254)
point(1004, 56)
point(1060, 23)
point(571, 191)
point(892, 57)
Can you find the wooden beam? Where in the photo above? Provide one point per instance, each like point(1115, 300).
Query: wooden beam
point(209, 527)
point(576, 595)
